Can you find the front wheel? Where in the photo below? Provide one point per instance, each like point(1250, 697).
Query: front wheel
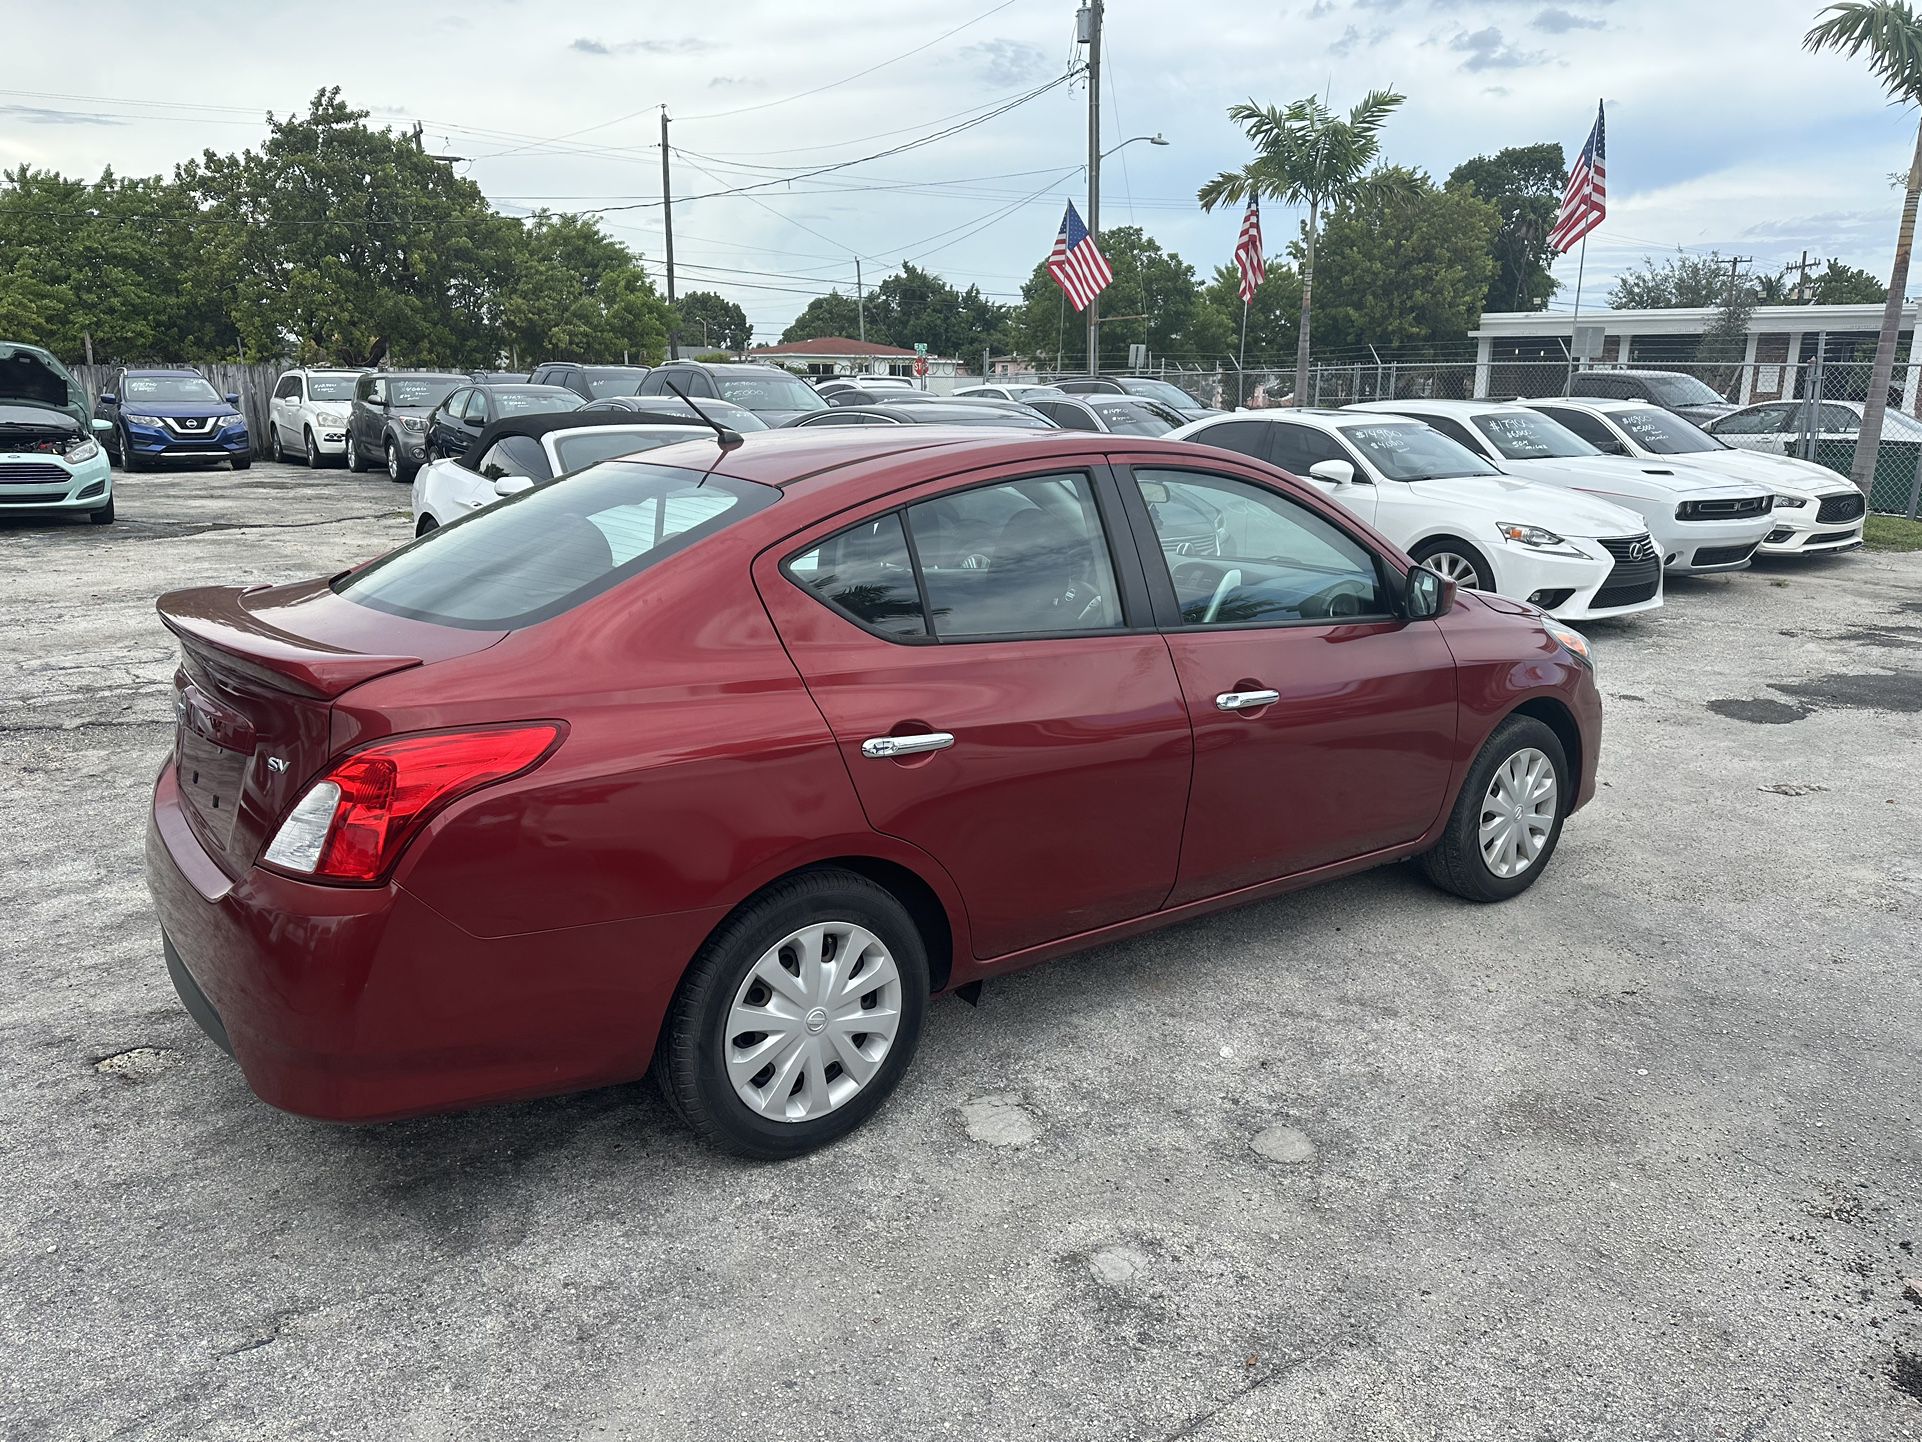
point(354, 461)
point(313, 449)
point(240, 462)
point(103, 516)
point(427, 523)
point(1508, 816)
point(1456, 561)
point(797, 1018)
point(397, 469)
point(131, 458)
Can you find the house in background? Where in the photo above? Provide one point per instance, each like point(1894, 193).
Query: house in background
point(837, 355)
point(1525, 353)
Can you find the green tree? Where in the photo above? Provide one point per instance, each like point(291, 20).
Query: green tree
point(575, 293)
point(1273, 315)
point(1524, 183)
point(1680, 281)
point(1724, 342)
point(712, 320)
point(1306, 155)
point(1407, 277)
point(832, 314)
point(1889, 33)
point(1154, 300)
point(1841, 284)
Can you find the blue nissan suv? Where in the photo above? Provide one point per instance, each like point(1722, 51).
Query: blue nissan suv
point(173, 415)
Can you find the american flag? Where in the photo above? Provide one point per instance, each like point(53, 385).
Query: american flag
point(1248, 252)
point(1585, 201)
point(1077, 264)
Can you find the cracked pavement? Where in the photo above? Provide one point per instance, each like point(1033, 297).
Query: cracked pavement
point(1635, 1156)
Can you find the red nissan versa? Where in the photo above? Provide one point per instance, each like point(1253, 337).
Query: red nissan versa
point(724, 761)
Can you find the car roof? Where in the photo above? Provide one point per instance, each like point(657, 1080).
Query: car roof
point(161, 371)
point(932, 412)
point(751, 368)
point(1592, 403)
point(1458, 408)
point(1321, 417)
point(535, 424)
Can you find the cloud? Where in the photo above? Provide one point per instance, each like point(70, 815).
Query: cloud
point(587, 45)
point(724, 82)
point(1557, 21)
point(35, 115)
point(1487, 50)
point(1352, 38)
point(1007, 63)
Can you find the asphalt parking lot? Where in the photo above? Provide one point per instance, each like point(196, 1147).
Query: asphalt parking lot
point(1635, 1156)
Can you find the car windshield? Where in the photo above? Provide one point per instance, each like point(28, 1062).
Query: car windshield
point(769, 393)
point(613, 380)
point(1681, 390)
point(1525, 436)
point(421, 393)
point(331, 388)
point(1168, 395)
point(546, 550)
point(578, 449)
point(1415, 453)
point(167, 388)
point(520, 400)
point(1131, 420)
point(1661, 433)
point(734, 417)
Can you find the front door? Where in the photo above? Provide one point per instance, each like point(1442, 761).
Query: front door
point(1324, 724)
point(1297, 448)
point(999, 695)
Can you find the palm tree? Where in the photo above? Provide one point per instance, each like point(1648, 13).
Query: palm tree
point(1307, 155)
point(1890, 32)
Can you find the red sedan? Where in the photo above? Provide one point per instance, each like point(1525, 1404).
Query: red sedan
point(724, 761)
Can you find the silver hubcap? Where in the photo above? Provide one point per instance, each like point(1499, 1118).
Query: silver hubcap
point(352, 455)
point(1452, 567)
point(1518, 812)
point(812, 1021)
point(393, 461)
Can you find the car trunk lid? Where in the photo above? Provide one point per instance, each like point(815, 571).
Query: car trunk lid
point(260, 669)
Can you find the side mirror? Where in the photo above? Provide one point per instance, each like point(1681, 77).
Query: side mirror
point(102, 428)
point(108, 398)
point(1338, 473)
point(512, 486)
point(232, 398)
point(1427, 595)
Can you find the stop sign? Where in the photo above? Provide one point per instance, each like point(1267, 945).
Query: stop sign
point(920, 365)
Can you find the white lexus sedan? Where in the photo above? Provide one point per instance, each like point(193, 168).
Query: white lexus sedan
point(1815, 509)
point(521, 451)
point(1702, 521)
point(1573, 556)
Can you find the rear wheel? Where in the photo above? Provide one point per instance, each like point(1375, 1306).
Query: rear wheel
point(1508, 816)
point(1456, 561)
point(427, 523)
point(103, 516)
point(797, 1018)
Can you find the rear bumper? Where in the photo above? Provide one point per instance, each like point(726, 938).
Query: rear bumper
point(364, 1003)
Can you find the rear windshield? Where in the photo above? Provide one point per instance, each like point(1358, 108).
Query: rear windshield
point(546, 550)
point(1127, 418)
point(580, 449)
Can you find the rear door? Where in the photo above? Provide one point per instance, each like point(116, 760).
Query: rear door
point(1324, 724)
point(986, 660)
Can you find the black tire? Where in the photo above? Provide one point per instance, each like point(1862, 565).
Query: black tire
point(689, 1061)
point(240, 463)
point(313, 449)
point(275, 451)
point(103, 516)
point(132, 459)
point(427, 523)
point(355, 461)
point(1467, 554)
point(1455, 863)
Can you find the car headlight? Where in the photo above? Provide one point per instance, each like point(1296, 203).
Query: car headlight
point(1573, 641)
point(1536, 538)
point(133, 420)
point(1789, 503)
point(331, 418)
point(233, 423)
point(413, 423)
point(81, 450)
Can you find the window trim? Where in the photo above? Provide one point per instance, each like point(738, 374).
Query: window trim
point(1161, 586)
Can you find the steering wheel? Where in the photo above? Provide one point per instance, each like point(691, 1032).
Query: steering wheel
point(1342, 599)
point(1223, 590)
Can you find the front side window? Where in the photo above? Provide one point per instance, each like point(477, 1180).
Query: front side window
point(550, 548)
point(1246, 438)
point(1296, 449)
point(288, 389)
point(1525, 436)
point(1070, 415)
point(1271, 559)
point(1763, 420)
point(474, 409)
point(1840, 420)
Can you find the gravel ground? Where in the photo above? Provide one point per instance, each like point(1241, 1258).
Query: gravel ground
point(1635, 1156)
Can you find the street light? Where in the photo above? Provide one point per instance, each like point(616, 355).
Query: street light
point(1095, 157)
point(1155, 139)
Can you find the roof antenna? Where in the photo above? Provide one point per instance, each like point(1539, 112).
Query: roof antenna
point(728, 438)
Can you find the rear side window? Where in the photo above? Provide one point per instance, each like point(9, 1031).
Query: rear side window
point(866, 573)
point(545, 551)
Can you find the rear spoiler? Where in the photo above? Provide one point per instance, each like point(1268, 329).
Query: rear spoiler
point(212, 621)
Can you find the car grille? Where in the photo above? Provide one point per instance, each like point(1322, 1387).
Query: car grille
point(32, 498)
point(1840, 508)
point(1724, 555)
point(193, 427)
point(34, 473)
point(1637, 575)
point(1824, 537)
point(1725, 508)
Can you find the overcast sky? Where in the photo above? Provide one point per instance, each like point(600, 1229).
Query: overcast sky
point(1723, 133)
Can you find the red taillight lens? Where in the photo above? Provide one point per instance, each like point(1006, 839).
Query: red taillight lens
point(387, 792)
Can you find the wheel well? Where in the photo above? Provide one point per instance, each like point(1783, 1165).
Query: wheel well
point(923, 906)
point(1557, 718)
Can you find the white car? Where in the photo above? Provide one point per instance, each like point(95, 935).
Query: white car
point(515, 454)
point(307, 416)
point(1815, 508)
point(1571, 555)
point(1701, 520)
point(1013, 392)
point(864, 383)
point(1649, 433)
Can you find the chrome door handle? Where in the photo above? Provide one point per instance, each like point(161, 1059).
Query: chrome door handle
point(1245, 700)
point(882, 747)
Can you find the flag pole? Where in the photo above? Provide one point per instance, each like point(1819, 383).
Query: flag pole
point(1241, 361)
point(1581, 269)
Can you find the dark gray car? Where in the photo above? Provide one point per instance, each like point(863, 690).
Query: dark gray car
point(1676, 391)
point(388, 424)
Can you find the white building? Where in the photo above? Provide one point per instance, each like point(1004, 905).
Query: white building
point(837, 355)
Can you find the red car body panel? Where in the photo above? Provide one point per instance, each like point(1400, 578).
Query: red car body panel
point(531, 936)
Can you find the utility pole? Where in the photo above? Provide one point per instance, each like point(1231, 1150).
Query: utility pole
point(1735, 264)
point(860, 302)
point(1093, 14)
point(1802, 275)
point(667, 223)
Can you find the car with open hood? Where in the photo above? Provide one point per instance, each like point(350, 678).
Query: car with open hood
point(173, 415)
point(51, 460)
point(1701, 520)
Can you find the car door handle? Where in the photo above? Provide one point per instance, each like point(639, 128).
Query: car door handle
point(880, 748)
point(1245, 700)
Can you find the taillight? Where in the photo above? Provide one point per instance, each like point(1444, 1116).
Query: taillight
point(356, 819)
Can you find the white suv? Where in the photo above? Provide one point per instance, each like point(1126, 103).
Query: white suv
point(1451, 510)
point(1702, 521)
point(307, 417)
